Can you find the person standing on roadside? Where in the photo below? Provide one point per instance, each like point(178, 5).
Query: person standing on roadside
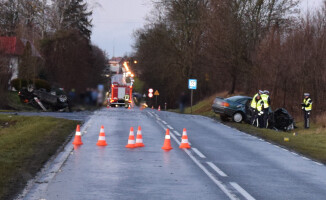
point(253, 107)
point(306, 107)
point(267, 102)
point(260, 113)
point(182, 102)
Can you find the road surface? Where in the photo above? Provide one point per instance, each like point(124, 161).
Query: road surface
point(223, 163)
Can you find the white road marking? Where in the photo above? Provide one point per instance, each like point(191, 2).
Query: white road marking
point(216, 169)
point(209, 174)
point(318, 163)
point(305, 158)
point(150, 114)
point(198, 153)
point(242, 191)
point(285, 150)
point(164, 122)
point(170, 127)
point(294, 154)
point(177, 133)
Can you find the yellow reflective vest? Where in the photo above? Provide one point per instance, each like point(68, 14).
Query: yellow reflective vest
point(253, 102)
point(264, 97)
point(308, 104)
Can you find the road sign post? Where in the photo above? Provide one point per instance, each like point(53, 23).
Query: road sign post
point(192, 85)
point(156, 93)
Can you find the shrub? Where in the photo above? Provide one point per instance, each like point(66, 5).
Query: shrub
point(39, 83)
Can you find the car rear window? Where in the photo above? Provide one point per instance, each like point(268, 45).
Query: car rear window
point(234, 98)
point(242, 101)
point(239, 99)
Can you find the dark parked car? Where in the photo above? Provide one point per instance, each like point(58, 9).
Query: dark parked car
point(235, 107)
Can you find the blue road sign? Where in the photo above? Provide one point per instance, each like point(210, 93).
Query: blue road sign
point(192, 84)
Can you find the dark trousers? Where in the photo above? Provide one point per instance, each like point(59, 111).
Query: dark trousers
point(265, 117)
point(253, 114)
point(306, 119)
point(260, 120)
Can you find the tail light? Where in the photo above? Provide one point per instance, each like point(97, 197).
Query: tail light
point(111, 100)
point(129, 101)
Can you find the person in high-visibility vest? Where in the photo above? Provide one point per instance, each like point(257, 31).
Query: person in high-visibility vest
point(126, 100)
point(253, 107)
point(267, 102)
point(260, 112)
point(307, 107)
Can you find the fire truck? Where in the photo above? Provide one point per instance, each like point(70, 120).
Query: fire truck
point(121, 92)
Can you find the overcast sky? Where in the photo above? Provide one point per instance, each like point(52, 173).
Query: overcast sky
point(116, 20)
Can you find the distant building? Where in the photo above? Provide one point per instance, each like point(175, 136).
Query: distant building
point(115, 64)
point(13, 47)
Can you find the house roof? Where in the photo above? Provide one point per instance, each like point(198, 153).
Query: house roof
point(11, 46)
point(15, 46)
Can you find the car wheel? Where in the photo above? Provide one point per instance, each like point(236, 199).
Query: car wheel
point(237, 117)
point(30, 88)
point(63, 98)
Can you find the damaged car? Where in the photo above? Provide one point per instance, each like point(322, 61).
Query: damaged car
point(237, 109)
point(55, 100)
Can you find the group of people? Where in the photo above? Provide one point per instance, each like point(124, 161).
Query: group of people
point(259, 109)
point(260, 106)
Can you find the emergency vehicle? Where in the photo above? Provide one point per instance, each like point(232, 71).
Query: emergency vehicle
point(121, 92)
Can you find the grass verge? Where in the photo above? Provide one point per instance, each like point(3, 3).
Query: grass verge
point(14, 103)
point(309, 142)
point(26, 143)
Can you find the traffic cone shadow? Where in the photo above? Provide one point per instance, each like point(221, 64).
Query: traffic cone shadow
point(167, 141)
point(101, 139)
point(131, 139)
point(184, 140)
point(139, 138)
point(77, 140)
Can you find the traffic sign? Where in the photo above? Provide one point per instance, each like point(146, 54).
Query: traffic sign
point(192, 84)
point(150, 95)
point(156, 93)
point(150, 90)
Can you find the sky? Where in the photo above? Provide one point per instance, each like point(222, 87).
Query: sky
point(116, 20)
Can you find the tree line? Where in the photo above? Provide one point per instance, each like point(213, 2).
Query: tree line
point(60, 31)
point(239, 46)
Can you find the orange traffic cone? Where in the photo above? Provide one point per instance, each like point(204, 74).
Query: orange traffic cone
point(77, 140)
point(131, 140)
point(101, 139)
point(159, 108)
point(167, 141)
point(139, 138)
point(152, 107)
point(129, 107)
point(184, 141)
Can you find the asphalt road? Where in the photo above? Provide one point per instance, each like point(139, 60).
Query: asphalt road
point(223, 163)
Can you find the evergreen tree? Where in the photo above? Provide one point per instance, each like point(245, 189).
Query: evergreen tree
point(77, 16)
